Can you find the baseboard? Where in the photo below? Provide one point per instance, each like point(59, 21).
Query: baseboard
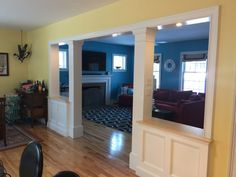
point(144, 173)
point(60, 130)
point(76, 132)
point(133, 161)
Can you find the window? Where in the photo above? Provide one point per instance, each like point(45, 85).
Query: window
point(156, 71)
point(119, 63)
point(194, 72)
point(63, 61)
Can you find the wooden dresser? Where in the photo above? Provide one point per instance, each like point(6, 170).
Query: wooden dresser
point(34, 105)
point(2, 120)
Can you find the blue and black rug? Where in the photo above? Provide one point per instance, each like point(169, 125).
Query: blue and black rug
point(111, 116)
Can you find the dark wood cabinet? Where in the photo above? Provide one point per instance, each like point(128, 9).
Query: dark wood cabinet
point(34, 105)
point(2, 120)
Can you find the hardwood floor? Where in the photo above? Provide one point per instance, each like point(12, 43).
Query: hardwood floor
point(101, 152)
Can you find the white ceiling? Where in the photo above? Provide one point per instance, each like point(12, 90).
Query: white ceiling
point(30, 14)
point(184, 33)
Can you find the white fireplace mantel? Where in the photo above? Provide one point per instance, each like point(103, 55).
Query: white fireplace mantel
point(100, 79)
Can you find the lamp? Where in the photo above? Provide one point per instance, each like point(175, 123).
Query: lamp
point(23, 52)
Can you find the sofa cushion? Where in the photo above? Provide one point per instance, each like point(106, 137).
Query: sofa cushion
point(173, 96)
point(162, 95)
point(184, 95)
point(194, 97)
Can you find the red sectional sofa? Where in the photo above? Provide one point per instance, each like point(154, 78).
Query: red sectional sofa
point(187, 106)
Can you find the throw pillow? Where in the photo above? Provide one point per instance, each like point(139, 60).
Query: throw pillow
point(130, 91)
point(124, 90)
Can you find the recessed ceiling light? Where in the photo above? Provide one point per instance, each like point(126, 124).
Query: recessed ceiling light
point(198, 20)
point(62, 43)
point(116, 34)
point(161, 42)
point(179, 24)
point(159, 27)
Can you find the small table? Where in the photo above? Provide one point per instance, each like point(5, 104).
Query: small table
point(162, 114)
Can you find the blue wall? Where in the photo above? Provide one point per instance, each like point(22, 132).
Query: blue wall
point(172, 80)
point(117, 78)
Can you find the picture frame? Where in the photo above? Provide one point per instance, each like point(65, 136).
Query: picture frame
point(4, 64)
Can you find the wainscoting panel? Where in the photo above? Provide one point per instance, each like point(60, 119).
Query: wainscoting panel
point(188, 155)
point(154, 143)
point(57, 116)
point(166, 153)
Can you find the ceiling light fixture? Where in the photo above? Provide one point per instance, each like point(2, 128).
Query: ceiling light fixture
point(116, 34)
point(159, 27)
point(197, 21)
point(62, 43)
point(161, 42)
point(179, 24)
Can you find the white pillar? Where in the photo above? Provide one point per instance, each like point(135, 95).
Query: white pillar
point(75, 88)
point(53, 81)
point(143, 81)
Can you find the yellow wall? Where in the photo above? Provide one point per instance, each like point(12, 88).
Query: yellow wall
point(9, 39)
point(130, 11)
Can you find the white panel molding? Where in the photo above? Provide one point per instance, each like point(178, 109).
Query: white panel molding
point(159, 147)
point(58, 114)
point(179, 151)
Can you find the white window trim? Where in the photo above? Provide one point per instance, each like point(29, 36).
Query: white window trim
point(67, 60)
point(119, 70)
point(182, 69)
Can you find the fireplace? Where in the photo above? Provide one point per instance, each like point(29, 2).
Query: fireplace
point(99, 83)
point(93, 94)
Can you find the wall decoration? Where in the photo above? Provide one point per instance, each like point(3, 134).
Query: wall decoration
point(23, 51)
point(4, 66)
point(169, 65)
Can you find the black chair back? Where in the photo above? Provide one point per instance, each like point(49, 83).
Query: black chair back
point(66, 174)
point(31, 164)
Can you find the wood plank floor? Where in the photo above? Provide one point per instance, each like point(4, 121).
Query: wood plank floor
point(102, 152)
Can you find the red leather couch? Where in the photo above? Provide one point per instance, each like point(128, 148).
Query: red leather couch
point(187, 106)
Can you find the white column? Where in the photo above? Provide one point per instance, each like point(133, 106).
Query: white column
point(54, 71)
point(75, 88)
point(143, 81)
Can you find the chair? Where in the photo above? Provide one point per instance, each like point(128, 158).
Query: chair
point(31, 163)
point(2, 120)
point(66, 174)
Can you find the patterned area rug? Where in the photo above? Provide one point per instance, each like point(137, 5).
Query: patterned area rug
point(16, 137)
point(111, 116)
